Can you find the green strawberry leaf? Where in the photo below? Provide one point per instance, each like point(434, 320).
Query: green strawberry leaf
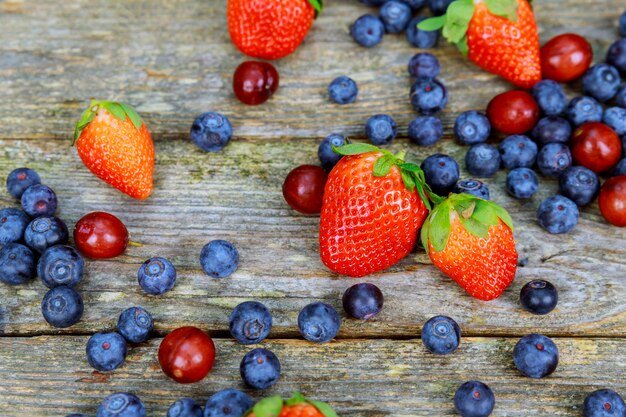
point(484, 213)
point(356, 149)
point(115, 109)
point(475, 227)
point(503, 215)
point(296, 398)
point(383, 165)
point(318, 5)
point(408, 180)
point(420, 190)
point(432, 23)
point(463, 46)
point(439, 228)
point(323, 408)
point(504, 8)
point(425, 232)
point(82, 123)
point(268, 407)
point(132, 115)
point(458, 18)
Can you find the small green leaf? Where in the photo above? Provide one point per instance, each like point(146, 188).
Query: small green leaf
point(324, 408)
point(425, 231)
point(484, 214)
point(475, 227)
point(432, 23)
point(458, 18)
point(355, 149)
point(296, 398)
point(439, 228)
point(463, 46)
point(383, 165)
point(132, 115)
point(420, 190)
point(82, 123)
point(410, 167)
point(504, 8)
point(318, 5)
point(407, 178)
point(268, 407)
point(502, 214)
point(115, 109)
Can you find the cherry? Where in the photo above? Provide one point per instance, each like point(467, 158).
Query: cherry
point(596, 146)
point(513, 112)
point(612, 200)
point(255, 82)
point(303, 188)
point(100, 235)
point(187, 354)
point(565, 57)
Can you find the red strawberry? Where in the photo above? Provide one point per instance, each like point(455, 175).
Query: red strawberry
point(371, 211)
point(497, 35)
point(296, 406)
point(116, 146)
point(471, 241)
point(270, 29)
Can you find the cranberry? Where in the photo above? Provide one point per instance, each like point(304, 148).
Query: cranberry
point(565, 57)
point(255, 82)
point(612, 200)
point(100, 235)
point(513, 112)
point(187, 354)
point(303, 188)
point(596, 146)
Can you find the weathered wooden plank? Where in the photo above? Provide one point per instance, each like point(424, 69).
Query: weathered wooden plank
point(174, 59)
point(236, 195)
point(49, 376)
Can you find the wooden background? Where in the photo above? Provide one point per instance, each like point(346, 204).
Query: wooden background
point(172, 60)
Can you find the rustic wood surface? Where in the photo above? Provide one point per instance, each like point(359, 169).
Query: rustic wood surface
point(173, 60)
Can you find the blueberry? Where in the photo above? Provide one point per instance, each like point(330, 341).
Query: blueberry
point(604, 403)
point(260, 368)
point(615, 118)
point(106, 351)
point(185, 407)
point(482, 160)
point(362, 301)
point(536, 356)
point(616, 55)
point(579, 184)
point(327, 156)
point(39, 200)
point(343, 90)
point(583, 109)
point(472, 187)
point(395, 16)
point(423, 39)
point(121, 404)
point(17, 264)
point(620, 98)
point(44, 232)
point(414, 4)
point(622, 25)
point(518, 151)
point(156, 276)
point(441, 335)
point(381, 129)
point(219, 258)
point(60, 265)
point(367, 30)
point(522, 182)
point(428, 96)
point(13, 223)
point(539, 297)
point(211, 131)
point(620, 168)
point(441, 173)
point(250, 322)
point(552, 129)
point(425, 130)
point(472, 127)
point(601, 82)
point(553, 159)
point(557, 214)
point(62, 307)
point(550, 97)
point(228, 403)
point(439, 7)
point(135, 324)
point(318, 322)
point(424, 65)
point(474, 399)
point(20, 179)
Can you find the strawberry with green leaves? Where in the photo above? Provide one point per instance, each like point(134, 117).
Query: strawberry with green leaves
point(471, 241)
point(374, 204)
point(499, 36)
point(116, 146)
point(297, 406)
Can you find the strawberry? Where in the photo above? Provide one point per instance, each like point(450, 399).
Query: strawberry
point(116, 146)
point(270, 29)
point(471, 241)
point(296, 406)
point(499, 36)
point(371, 211)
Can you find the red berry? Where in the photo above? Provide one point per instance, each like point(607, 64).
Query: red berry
point(565, 57)
point(513, 112)
point(100, 235)
point(612, 200)
point(255, 82)
point(596, 146)
point(303, 188)
point(187, 354)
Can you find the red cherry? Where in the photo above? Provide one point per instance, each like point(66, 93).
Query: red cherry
point(596, 146)
point(612, 200)
point(565, 57)
point(255, 82)
point(187, 354)
point(303, 188)
point(513, 112)
point(100, 235)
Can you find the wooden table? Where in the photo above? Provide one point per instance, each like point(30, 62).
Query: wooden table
point(173, 60)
